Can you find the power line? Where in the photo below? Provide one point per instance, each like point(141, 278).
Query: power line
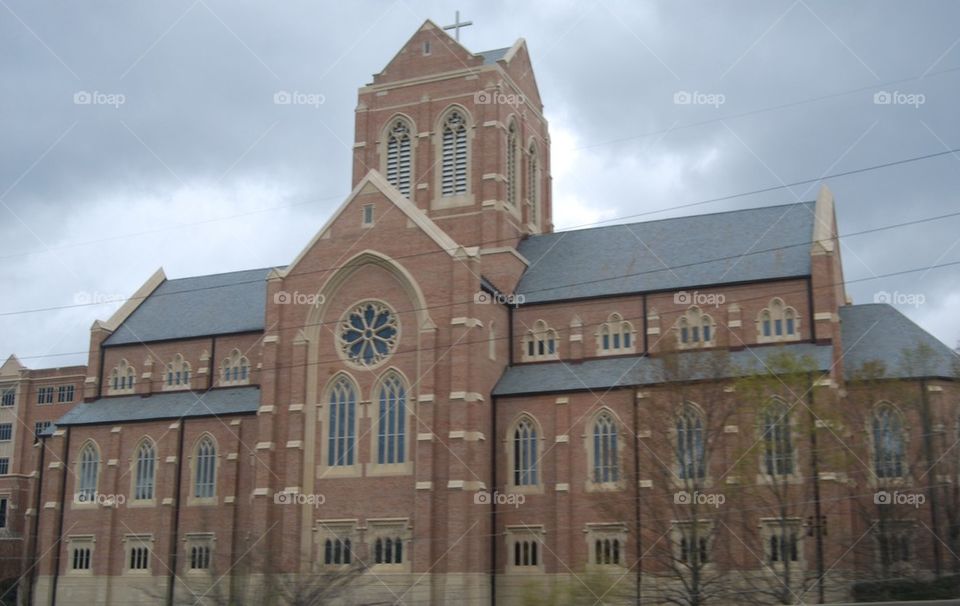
point(771, 108)
point(687, 205)
point(486, 340)
point(666, 268)
point(589, 146)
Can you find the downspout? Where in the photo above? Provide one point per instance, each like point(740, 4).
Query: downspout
point(35, 532)
point(644, 335)
point(101, 373)
point(63, 505)
point(493, 503)
point(931, 474)
point(813, 315)
point(212, 363)
point(636, 475)
point(494, 543)
point(636, 462)
point(175, 527)
point(815, 473)
point(510, 334)
point(235, 534)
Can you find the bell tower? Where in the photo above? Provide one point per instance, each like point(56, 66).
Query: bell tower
point(462, 135)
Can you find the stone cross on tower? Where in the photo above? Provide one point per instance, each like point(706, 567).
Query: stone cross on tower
point(457, 24)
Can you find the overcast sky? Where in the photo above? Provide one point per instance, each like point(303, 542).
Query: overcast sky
point(135, 135)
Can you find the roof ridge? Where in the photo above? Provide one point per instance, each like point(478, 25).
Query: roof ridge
point(226, 273)
point(719, 212)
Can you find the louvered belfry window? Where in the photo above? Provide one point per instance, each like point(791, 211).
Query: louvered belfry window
point(512, 165)
point(398, 157)
point(454, 170)
point(533, 193)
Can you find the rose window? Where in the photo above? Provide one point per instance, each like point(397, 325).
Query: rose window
point(368, 333)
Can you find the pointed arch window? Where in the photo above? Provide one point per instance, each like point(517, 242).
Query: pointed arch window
point(399, 158)
point(616, 336)
point(235, 369)
point(525, 453)
point(526, 553)
point(88, 473)
point(691, 460)
point(540, 342)
point(388, 551)
point(533, 184)
point(777, 440)
point(778, 322)
point(122, 378)
point(695, 329)
point(337, 552)
point(513, 152)
point(606, 459)
point(145, 471)
point(783, 540)
point(895, 542)
point(607, 551)
point(341, 433)
point(693, 542)
point(391, 432)
point(454, 162)
point(205, 469)
point(888, 442)
point(178, 374)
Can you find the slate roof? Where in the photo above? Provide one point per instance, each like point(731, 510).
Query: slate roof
point(878, 332)
point(205, 305)
point(167, 405)
point(632, 258)
point(870, 333)
point(492, 56)
point(605, 373)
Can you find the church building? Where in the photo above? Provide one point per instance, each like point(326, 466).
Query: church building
point(441, 399)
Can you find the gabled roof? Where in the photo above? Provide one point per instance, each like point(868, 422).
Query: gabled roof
point(190, 307)
point(879, 333)
point(130, 305)
point(12, 367)
point(669, 254)
point(607, 373)
point(492, 56)
point(168, 405)
point(373, 179)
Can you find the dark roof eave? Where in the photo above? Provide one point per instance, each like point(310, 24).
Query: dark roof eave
point(154, 419)
point(211, 335)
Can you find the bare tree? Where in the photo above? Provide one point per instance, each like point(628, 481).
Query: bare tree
point(685, 513)
point(780, 463)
